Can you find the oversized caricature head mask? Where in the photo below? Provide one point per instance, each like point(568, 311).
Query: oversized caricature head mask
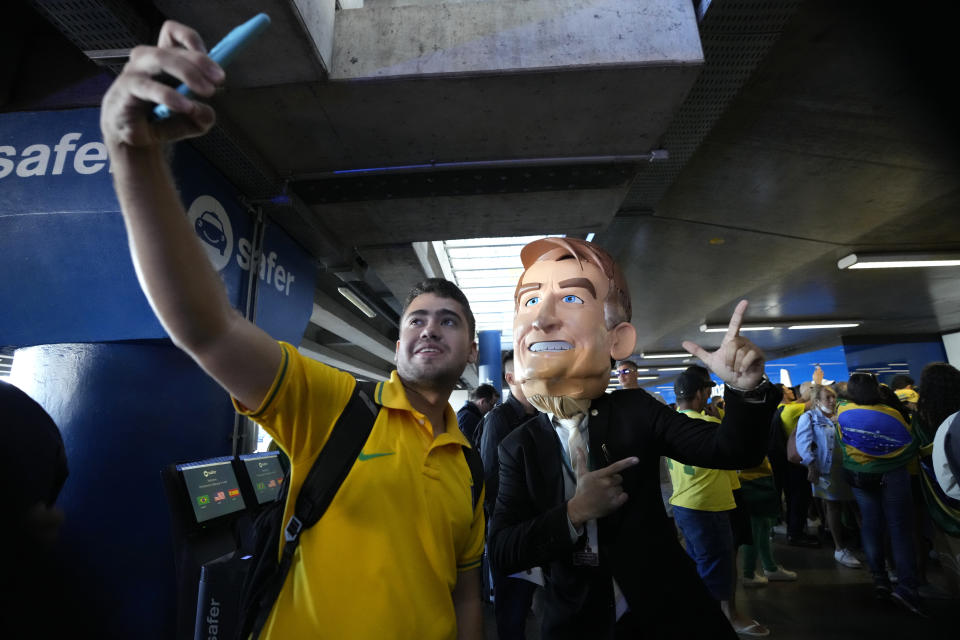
point(572, 316)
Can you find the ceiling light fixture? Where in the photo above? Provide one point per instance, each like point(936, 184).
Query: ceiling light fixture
point(662, 369)
point(825, 325)
point(716, 328)
point(770, 326)
point(357, 302)
point(672, 354)
point(898, 260)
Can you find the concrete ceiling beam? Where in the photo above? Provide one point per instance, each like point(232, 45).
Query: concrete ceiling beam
point(333, 358)
point(335, 318)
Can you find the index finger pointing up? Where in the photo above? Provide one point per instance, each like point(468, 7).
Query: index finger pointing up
point(735, 321)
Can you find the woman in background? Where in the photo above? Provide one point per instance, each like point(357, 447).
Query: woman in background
point(817, 445)
point(877, 446)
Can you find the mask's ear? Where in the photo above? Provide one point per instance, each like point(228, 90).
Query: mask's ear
point(623, 341)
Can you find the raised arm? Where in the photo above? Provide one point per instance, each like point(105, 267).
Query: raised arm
point(182, 287)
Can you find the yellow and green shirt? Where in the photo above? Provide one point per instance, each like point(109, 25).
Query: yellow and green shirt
point(387, 553)
point(762, 470)
point(700, 488)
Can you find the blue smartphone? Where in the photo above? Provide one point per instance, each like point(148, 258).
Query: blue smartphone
point(223, 53)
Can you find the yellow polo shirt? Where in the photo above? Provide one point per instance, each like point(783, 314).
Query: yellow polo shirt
point(701, 488)
point(385, 557)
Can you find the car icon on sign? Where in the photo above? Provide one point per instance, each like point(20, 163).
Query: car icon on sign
point(210, 230)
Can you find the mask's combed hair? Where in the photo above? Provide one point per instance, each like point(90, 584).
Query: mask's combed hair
point(616, 306)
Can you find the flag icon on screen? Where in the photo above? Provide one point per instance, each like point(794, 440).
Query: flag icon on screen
point(219, 495)
point(279, 480)
point(233, 493)
point(204, 499)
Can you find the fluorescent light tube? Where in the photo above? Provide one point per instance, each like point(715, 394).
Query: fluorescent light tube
point(707, 328)
point(357, 302)
point(648, 356)
point(897, 260)
point(825, 325)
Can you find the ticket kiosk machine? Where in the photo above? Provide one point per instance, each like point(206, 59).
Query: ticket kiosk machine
point(207, 507)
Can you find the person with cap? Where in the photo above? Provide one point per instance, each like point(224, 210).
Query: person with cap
point(579, 491)
point(705, 509)
point(902, 385)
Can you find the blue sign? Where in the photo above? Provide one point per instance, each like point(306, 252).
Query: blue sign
point(287, 276)
point(54, 162)
point(68, 276)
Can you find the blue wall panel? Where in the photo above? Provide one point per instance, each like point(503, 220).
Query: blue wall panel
point(125, 412)
point(888, 357)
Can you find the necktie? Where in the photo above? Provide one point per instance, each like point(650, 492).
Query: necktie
point(577, 445)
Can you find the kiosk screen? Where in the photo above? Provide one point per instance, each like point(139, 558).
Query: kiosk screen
point(213, 489)
point(266, 476)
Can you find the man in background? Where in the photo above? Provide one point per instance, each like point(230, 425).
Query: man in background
point(481, 400)
point(705, 508)
point(512, 595)
point(627, 374)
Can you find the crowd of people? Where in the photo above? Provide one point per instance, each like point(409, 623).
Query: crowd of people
point(855, 467)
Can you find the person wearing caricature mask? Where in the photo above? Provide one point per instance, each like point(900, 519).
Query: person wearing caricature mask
point(579, 486)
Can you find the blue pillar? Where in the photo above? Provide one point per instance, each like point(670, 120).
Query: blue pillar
point(488, 360)
point(125, 410)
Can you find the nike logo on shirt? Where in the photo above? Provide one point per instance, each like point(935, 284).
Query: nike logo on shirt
point(367, 456)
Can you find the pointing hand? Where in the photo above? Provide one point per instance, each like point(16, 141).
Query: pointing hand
point(599, 492)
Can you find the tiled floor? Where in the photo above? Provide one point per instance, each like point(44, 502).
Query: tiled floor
point(828, 601)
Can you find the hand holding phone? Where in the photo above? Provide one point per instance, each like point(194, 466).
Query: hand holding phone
point(223, 53)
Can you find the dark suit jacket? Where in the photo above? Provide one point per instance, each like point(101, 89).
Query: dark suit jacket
point(468, 417)
point(494, 427)
point(638, 545)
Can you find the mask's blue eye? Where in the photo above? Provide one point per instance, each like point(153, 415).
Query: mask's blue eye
point(572, 299)
point(532, 301)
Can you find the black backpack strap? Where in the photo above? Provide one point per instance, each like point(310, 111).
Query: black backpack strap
point(476, 472)
point(334, 462)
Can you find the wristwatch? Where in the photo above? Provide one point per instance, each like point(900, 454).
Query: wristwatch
point(757, 394)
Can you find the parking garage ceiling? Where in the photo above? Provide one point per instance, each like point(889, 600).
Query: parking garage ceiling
point(807, 131)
